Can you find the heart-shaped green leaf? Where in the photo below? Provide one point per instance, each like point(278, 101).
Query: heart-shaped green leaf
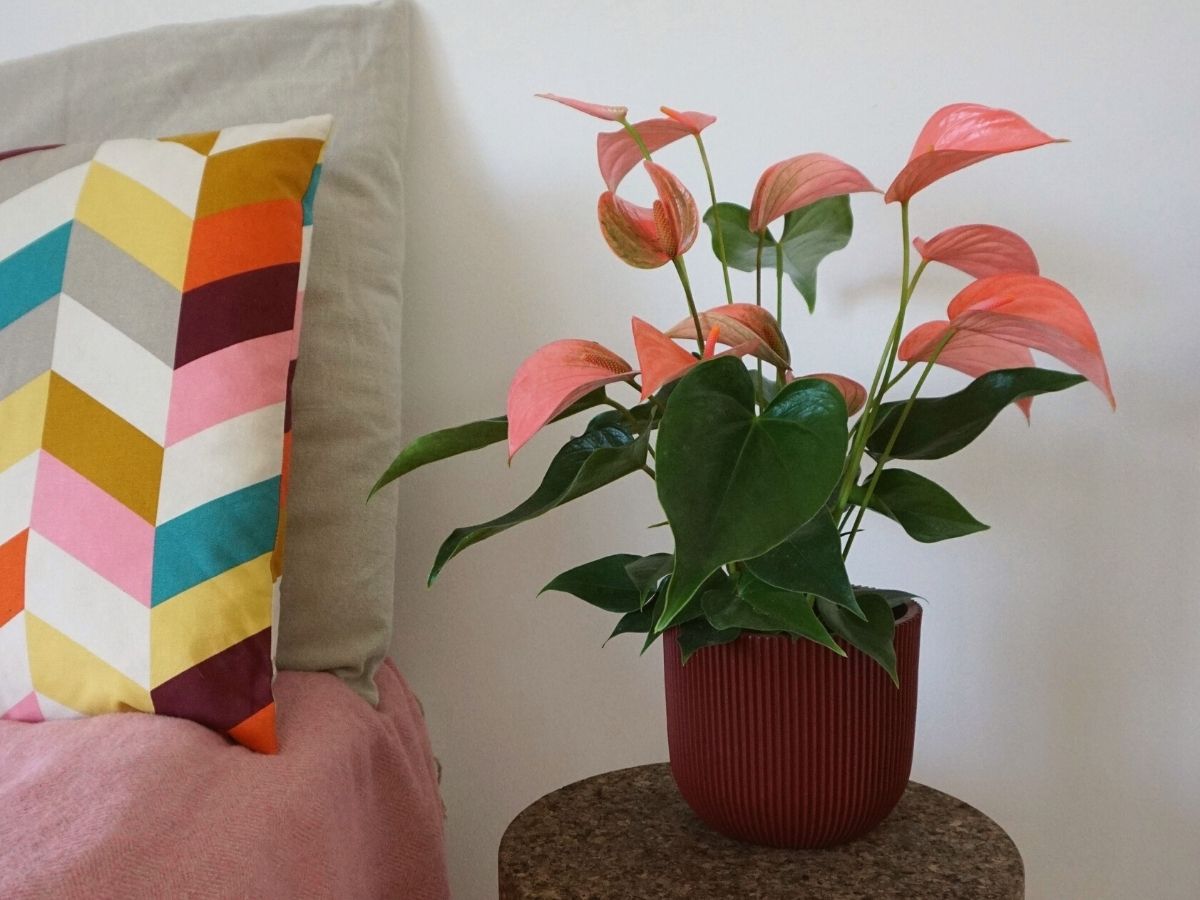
point(602, 582)
point(439, 445)
point(735, 484)
point(809, 562)
point(724, 608)
point(647, 573)
point(597, 457)
point(640, 621)
point(924, 509)
point(697, 634)
point(757, 606)
point(940, 426)
point(895, 598)
point(793, 611)
point(874, 637)
point(809, 235)
point(741, 244)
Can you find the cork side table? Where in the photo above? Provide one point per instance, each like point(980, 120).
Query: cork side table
point(628, 834)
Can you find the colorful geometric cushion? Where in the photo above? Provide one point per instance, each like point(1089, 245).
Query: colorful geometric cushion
point(352, 59)
point(150, 297)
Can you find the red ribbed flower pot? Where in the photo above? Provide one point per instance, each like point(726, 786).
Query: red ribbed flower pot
point(782, 742)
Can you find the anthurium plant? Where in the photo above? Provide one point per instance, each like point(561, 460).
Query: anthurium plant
point(765, 475)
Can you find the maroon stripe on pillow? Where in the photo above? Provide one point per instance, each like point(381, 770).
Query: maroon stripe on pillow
point(222, 690)
point(20, 151)
point(235, 309)
point(287, 410)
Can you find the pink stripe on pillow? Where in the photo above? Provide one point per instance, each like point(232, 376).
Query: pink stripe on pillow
point(228, 383)
point(99, 531)
point(26, 710)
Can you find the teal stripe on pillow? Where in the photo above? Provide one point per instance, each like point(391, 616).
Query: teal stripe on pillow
point(306, 204)
point(32, 275)
point(213, 538)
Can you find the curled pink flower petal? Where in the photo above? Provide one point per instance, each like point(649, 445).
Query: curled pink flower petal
point(958, 136)
point(1025, 311)
point(660, 358)
point(979, 250)
point(553, 378)
point(799, 181)
point(969, 352)
point(852, 392)
point(599, 110)
point(617, 152)
point(648, 238)
point(741, 324)
point(695, 122)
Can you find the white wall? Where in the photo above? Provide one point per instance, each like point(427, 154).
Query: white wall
point(1060, 676)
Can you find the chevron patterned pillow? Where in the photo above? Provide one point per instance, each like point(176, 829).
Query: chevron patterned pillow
point(150, 295)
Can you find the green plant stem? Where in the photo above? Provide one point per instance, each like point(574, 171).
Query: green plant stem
point(623, 410)
point(898, 376)
point(758, 269)
point(712, 193)
point(883, 373)
point(891, 443)
point(779, 284)
point(681, 268)
point(637, 137)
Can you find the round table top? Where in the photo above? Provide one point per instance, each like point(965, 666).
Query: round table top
point(629, 834)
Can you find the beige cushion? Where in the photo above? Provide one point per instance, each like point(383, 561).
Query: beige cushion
point(337, 595)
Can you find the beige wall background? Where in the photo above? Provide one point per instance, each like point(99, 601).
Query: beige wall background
point(1060, 673)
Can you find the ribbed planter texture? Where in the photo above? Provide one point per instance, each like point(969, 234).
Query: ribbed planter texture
point(782, 742)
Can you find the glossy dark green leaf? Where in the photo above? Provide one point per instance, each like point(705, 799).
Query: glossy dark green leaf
point(697, 634)
point(874, 637)
point(724, 608)
point(602, 582)
point(754, 605)
point(940, 426)
point(895, 599)
point(735, 484)
point(647, 573)
point(794, 612)
point(439, 445)
point(809, 235)
point(923, 508)
point(590, 461)
point(639, 417)
point(809, 561)
point(640, 621)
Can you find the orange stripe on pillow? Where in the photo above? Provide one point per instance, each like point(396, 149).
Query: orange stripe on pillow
point(244, 239)
point(258, 731)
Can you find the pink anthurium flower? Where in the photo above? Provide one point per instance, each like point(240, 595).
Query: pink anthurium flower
point(852, 392)
point(979, 250)
point(695, 122)
point(1026, 311)
point(649, 238)
point(741, 324)
point(553, 378)
point(599, 110)
point(662, 360)
point(799, 181)
point(617, 151)
point(958, 136)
